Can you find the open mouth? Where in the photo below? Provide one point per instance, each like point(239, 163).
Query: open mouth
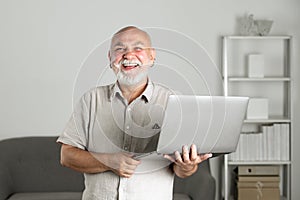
point(130, 64)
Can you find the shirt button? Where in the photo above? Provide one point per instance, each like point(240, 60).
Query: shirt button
point(129, 109)
point(127, 127)
point(126, 148)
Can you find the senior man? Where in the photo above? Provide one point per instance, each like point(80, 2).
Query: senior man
point(113, 123)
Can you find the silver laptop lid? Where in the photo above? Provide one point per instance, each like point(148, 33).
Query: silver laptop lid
point(213, 123)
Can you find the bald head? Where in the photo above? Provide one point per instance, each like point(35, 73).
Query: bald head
point(130, 30)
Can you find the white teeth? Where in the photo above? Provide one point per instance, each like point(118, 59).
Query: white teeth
point(130, 63)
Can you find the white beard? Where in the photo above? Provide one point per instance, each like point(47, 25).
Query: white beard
point(126, 79)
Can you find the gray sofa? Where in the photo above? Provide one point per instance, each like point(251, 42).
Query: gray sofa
point(30, 170)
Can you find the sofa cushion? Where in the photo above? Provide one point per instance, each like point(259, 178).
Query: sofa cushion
point(179, 196)
point(67, 196)
point(33, 165)
point(47, 196)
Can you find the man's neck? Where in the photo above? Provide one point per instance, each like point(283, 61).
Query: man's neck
point(131, 92)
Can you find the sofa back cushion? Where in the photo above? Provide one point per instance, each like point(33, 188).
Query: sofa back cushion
point(33, 165)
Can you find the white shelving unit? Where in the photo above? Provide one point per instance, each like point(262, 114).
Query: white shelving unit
point(276, 86)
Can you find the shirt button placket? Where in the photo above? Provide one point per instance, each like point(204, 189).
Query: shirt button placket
point(122, 188)
point(127, 119)
point(127, 138)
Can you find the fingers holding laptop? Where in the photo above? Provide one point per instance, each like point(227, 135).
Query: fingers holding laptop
point(186, 164)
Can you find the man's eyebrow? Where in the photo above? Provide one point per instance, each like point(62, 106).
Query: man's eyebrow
point(135, 44)
point(119, 44)
point(139, 43)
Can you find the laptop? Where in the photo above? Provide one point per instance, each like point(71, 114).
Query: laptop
point(212, 123)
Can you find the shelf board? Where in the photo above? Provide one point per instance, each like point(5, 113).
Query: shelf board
point(271, 37)
point(265, 79)
point(271, 119)
point(281, 197)
point(259, 162)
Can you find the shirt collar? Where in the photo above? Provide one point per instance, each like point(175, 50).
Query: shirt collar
point(146, 95)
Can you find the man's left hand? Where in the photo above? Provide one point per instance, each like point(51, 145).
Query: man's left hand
point(187, 163)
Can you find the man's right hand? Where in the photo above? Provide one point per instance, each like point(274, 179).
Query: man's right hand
point(121, 164)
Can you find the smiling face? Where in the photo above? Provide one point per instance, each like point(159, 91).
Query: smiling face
point(131, 55)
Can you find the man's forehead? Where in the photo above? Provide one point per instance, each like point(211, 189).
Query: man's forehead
point(132, 36)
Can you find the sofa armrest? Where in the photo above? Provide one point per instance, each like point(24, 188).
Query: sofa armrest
point(205, 189)
point(5, 182)
point(200, 185)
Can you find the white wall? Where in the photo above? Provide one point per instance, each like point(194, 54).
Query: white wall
point(43, 44)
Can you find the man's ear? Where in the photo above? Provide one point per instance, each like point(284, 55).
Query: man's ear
point(152, 54)
point(109, 58)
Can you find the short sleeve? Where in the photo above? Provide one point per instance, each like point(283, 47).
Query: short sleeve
point(76, 130)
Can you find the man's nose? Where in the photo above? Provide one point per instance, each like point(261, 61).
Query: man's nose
point(129, 54)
